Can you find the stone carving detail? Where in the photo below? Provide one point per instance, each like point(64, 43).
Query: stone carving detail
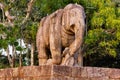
point(60, 36)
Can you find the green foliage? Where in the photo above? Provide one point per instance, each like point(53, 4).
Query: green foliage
point(11, 33)
point(30, 32)
point(103, 37)
point(3, 62)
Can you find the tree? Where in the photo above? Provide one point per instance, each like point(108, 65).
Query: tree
point(102, 39)
point(10, 33)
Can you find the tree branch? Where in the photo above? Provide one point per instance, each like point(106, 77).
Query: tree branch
point(30, 4)
point(7, 14)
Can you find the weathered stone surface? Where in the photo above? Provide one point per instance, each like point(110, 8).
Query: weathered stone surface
point(115, 74)
point(60, 36)
point(84, 72)
point(59, 78)
point(100, 78)
point(99, 72)
point(76, 72)
point(82, 78)
point(62, 70)
point(56, 72)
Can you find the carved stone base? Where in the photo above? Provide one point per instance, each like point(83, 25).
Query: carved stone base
point(54, 72)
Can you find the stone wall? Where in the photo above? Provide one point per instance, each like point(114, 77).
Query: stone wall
point(47, 72)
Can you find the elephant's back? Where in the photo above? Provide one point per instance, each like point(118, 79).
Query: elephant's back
point(48, 23)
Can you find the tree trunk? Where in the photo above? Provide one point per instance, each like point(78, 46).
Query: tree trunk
point(20, 59)
point(32, 54)
point(11, 59)
point(20, 56)
point(13, 55)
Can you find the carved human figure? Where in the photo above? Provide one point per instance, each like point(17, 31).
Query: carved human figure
point(60, 36)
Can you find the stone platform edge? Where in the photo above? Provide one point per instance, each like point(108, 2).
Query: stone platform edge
point(56, 72)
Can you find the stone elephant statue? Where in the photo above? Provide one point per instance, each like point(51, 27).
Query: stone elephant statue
point(60, 36)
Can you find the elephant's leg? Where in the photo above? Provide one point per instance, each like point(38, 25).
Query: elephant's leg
point(55, 41)
point(42, 56)
point(55, 48)
point(56, 56)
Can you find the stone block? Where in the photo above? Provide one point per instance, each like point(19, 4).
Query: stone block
point(76, 72)
point(2, 73)
point(15, 72)
point(82, 78)
point(100, 72)
point(84, 72)
point(62, 70)
point(90, 72)
point(46, 70)
point(59, 78)
point(100, 78)
point(37, 78)
point(56, 72)
point(114, 74)
point(8, 72)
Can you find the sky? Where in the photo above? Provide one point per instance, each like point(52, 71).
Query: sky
point(10, 48)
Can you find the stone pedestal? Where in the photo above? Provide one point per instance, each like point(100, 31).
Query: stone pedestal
point(54, 72)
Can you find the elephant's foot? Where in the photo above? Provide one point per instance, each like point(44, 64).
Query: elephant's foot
point(42, 61)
